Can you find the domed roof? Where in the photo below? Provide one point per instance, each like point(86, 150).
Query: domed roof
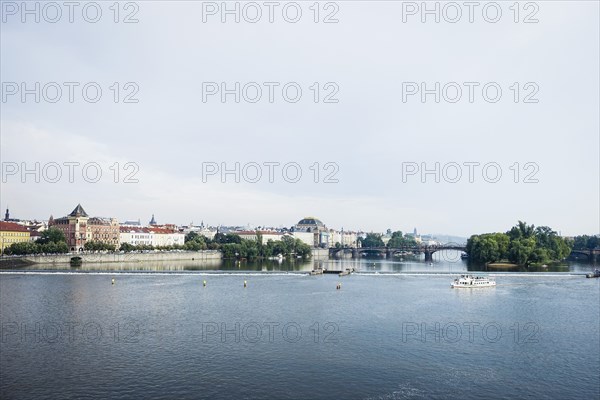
point(311, 221)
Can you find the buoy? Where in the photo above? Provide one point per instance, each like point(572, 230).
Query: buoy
point(245, 283)
point(113, 281)
point(204, 283)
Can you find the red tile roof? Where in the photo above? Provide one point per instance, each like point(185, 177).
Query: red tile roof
point(12, 227)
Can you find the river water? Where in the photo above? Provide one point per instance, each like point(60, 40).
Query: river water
point(395, 330)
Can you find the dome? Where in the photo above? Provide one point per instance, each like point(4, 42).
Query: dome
point(310, 222)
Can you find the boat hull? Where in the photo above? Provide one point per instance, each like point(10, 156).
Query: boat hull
point(460, 286)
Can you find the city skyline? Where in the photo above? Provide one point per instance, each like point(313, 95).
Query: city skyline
point(206, 222)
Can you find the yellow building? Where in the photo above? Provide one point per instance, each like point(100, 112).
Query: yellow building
point(12, 233)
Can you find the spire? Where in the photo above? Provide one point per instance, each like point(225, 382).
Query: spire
point(152, 221)
point(7, 215)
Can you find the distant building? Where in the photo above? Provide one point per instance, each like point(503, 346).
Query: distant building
point(105, 230)
point(314, 226)
point(201, 230)
point(152, 221)
point(136, 236)
point(151, 236)
point(344, 238)
point(166, 236)
point(7, 217)
point(79, 229)
point(132, 223)
point(266, 235)
point(34, 235)
point(12, 233)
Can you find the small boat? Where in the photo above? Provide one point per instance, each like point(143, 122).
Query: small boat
point(318, 271)
point(347, 271)
point(595, 274)
point(470, 281)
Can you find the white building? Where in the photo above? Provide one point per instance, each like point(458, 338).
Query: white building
point(345, 239)
point(306, 237)
point(166, 237)
point(153, 236)
point(266, 235)
point(201, 230)
point(136, 236)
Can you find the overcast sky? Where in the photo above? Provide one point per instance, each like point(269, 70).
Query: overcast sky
point(366, 62)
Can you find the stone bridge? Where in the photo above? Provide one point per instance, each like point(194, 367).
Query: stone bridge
point(388, 252)
point(592, 254)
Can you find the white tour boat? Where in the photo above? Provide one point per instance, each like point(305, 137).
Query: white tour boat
point(470, 281)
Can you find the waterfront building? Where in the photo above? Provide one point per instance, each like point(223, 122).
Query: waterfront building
point(105, 230)
point(266, 235)
point(151, 236)
point(306, 237)
point(136, 236)
point(344, 238)
point(312, 226)
point(79, 229)
point(10, 233)
point(166, 236)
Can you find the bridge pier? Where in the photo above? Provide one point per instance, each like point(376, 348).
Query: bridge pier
point(428, 255)
point(355, 253)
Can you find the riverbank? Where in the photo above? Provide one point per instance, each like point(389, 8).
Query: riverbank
point(15, 262)
point(202, 255)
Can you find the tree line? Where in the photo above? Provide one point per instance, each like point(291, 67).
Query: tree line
point(523, 245)
point(398, 239)
point(585, 242)
point(233, 246)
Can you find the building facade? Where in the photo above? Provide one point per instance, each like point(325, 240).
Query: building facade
point(10, 233)
point(315, 227)
point(80, 229)
point(136, 236)
point(151, 236)
point(266, 235)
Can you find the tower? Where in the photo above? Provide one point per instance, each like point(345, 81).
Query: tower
point(7, 215)
point(152, 221)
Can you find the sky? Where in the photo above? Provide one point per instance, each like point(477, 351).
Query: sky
point(336, 119)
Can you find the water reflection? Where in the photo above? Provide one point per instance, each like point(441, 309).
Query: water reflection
point(442, 263)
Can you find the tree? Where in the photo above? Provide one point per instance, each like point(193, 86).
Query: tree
point(521, 230)
point(22, 248)
point(223, 238)
point(96, 245)
point(191, 236)
point(53, 235)
point(400, 240)
point(489, 247)
point(126, 247)
point(372, 240)
point(195, 242)
point(521, 251)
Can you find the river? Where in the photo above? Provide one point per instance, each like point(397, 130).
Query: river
point(395, 330)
